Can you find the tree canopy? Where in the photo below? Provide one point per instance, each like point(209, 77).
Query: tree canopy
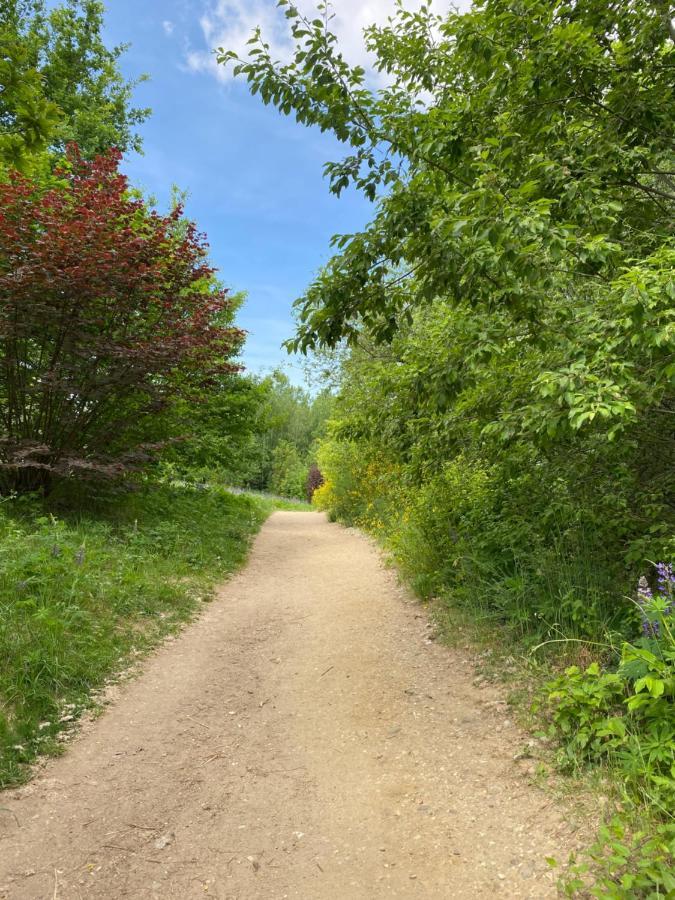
point(108, 311)
point(62, 84)
point(521, 159)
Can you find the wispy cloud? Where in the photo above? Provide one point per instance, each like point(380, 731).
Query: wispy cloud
point(168, 27)
point(229, 24)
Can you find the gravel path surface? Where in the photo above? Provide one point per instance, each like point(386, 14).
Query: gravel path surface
point(304, 739)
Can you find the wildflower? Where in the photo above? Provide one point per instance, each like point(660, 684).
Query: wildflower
point(644, 599)
point(665, 579)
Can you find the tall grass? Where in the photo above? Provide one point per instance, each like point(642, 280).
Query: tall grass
point(82, 593)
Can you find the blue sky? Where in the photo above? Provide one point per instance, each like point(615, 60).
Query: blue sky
point(254, 177)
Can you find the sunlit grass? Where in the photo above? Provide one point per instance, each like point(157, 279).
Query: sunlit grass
point(81, 595)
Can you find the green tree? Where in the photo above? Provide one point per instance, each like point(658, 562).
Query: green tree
point(521, 158)
point(291, 416)
point(56, 59)
point(289, 472)
point(27, 119)
point(218, 436)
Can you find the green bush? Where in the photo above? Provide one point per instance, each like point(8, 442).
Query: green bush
point(625, 719)
point(587, 714)
point(626, 864)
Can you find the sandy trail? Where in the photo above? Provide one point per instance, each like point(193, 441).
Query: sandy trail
point(303, 739)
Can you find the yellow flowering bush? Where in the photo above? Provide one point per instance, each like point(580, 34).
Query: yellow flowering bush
point(323, 497)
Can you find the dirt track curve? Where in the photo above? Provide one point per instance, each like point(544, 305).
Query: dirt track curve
point(303, 739)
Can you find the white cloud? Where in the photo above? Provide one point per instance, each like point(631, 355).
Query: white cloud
point(168, 27)
point(229, 24)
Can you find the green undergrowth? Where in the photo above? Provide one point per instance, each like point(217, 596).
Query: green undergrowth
point(602, 722)
point(83, 594)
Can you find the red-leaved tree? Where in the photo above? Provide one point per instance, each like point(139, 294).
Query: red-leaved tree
point(108, 311)
point(314, 481)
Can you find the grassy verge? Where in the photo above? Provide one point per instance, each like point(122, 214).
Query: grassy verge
point(275, 502)
point(83, 594)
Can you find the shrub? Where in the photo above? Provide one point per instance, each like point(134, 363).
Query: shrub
point(587, 713)
point(626, 720)
point(314, 481)
point(108, 311)
point(627, 716)
point(626, 864)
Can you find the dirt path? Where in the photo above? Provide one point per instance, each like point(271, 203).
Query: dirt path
point(303, 739)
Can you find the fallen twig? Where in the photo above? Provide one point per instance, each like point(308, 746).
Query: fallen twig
point(211, 758)
point(129, 850)
point(199, 723)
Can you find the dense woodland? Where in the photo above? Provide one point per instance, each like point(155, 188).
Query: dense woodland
point(494, 353)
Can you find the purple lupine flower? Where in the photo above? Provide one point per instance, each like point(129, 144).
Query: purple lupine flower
point(644, 597)
point(665, 578)
point(650, 629)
